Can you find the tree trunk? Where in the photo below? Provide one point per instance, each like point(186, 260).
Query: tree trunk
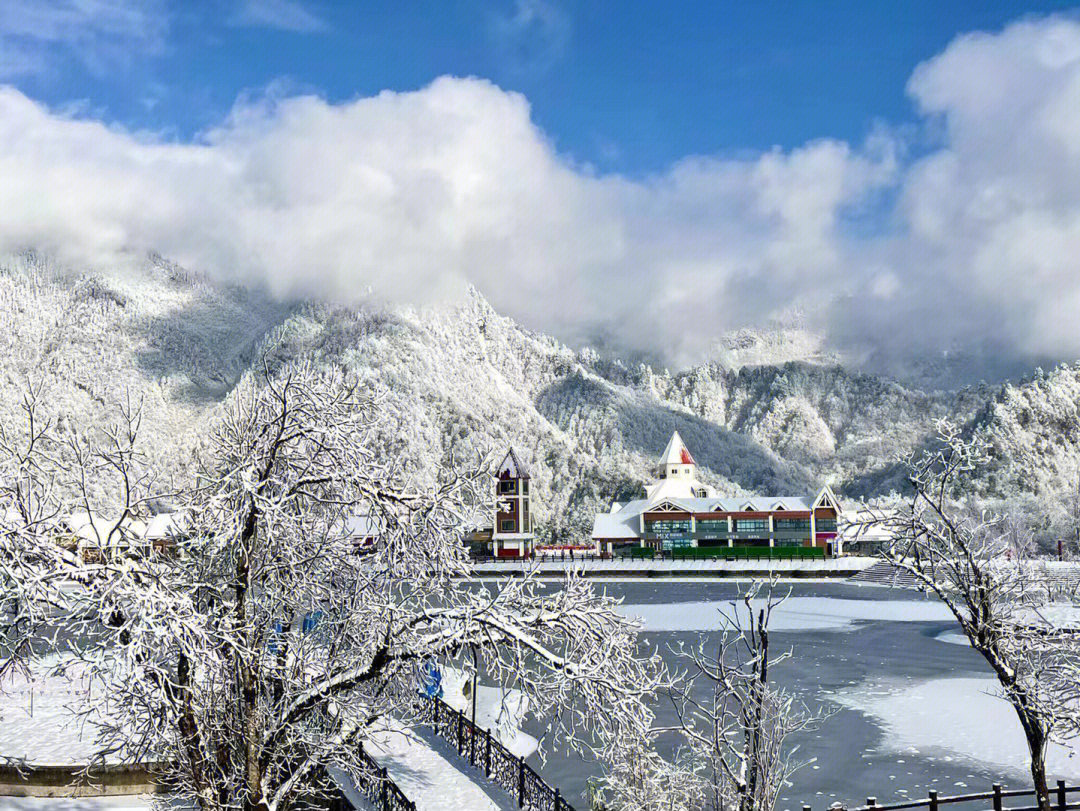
point(1037, 745)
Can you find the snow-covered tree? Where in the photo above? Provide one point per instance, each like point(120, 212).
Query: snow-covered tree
point(734, 750)
point(978, 564)
point(314, 576)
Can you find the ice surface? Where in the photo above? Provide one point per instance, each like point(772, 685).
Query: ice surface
point(954, 717)
point(795, 614)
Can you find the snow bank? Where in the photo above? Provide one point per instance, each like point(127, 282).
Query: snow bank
point(141, 802)
point(954, 717)
point(500, 711)
point(38, 713)
point(796, 614)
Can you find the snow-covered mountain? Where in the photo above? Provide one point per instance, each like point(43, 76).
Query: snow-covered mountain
point(461, 379)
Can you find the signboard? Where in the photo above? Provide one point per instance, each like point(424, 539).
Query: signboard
point(429, 679)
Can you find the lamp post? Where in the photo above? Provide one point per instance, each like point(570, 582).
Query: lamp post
point(472, 649)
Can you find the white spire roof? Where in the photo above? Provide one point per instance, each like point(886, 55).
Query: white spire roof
point(511, 467)
point(676, 452)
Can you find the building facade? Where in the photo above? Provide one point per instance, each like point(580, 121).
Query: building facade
point(512, 531)
point(680, 512)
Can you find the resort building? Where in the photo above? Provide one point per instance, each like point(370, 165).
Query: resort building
point(680, 512)
point(512, 532)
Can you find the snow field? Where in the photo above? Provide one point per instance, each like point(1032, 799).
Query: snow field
point(38, 713)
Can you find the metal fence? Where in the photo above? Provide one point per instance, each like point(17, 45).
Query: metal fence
point(1059, 800)
point(483, 751)
point(377, 788)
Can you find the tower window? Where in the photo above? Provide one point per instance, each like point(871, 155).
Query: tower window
point(507, 486)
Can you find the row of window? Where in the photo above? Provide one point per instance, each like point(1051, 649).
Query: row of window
point(743, 525)
point(789, 524)
point(675, 526)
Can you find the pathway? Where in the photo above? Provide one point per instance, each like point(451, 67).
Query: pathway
point(431, 773)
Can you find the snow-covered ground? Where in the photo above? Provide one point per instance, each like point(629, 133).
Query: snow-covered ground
point(795, 614)
point(140, 802)
point(431, 773)
point(38, 713)
point(954, 718)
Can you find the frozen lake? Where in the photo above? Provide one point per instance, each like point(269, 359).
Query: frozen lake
point(915, 708)
point(914, 711)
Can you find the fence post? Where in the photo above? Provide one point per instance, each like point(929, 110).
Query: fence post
point(521, 782)
point(933, 800)
point(384, 788)
point(871, 802)
point(806, 808)
point(487, 755)
point(558, 801)
point(472, 744)
point(435, 713)
point(460, 719)
point(997, 796)
point(1061, 795)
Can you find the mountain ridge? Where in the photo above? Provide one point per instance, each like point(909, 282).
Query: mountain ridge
point(460, 380)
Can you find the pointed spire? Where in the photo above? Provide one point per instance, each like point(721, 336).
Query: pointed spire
point(512, 467)
point(676, 452)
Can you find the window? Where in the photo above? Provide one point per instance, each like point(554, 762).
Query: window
point(792, 524)
point(508, 486)
point(713, 526)
point(825, 524)
point(669, 528)
point(525, 487)
point(752, 525)
point(507, 525)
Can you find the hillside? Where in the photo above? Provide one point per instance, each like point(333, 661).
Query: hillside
point(461, 379)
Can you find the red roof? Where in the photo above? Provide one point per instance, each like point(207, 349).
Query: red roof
point(687, 459)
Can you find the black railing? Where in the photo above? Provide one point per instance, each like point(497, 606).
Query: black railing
point(1059, 800)
point(377, 788)
point(484, 752)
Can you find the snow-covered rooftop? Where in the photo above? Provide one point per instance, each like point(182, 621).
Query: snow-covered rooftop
point(512, 467)
point(676, 453)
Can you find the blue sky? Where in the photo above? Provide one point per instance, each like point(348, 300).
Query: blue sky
point(628, 90)
point(901, 178)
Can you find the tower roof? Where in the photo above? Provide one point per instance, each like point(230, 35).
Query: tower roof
point(676, 452)
point(511, 467)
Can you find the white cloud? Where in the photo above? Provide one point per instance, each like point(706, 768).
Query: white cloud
point(288, 15)
point(533, 37)
point(415, 194)
point(97, 33)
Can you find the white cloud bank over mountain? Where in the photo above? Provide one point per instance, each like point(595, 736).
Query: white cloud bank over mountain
point(974, 243)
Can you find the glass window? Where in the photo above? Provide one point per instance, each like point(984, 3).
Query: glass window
point(507, 525)
point(752, 525)
point(713, 525)
point(792, 524)
point(825, 524)
point(507, 486)
point(668, 528)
